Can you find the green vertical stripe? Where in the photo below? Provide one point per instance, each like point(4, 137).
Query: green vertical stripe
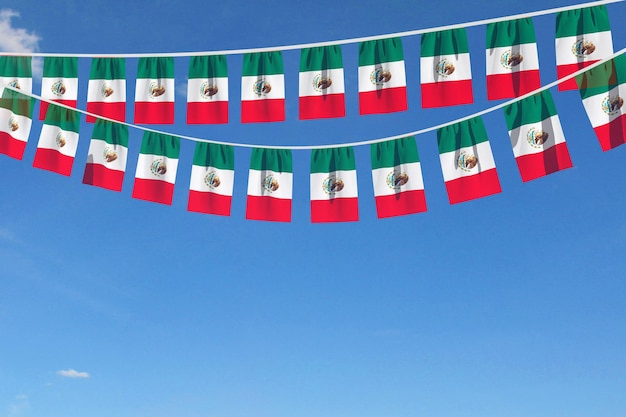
point(335, 159)
point(511, 32)
point(16, 66)
point(66, 119)
point(577, 22)
point(445, 42)
point(210, 66)
point(214, 155)
point(394, 152)
point(277, 160)
point(602, 78)
point(155, 67)
point(379, 51)
point(461, 135)
point(321, 58)
point(110, 132)
point(60, 67)
point(18, 103)
point(263, 63)
point(532, 109)
point(108, 69)
point(159, 144)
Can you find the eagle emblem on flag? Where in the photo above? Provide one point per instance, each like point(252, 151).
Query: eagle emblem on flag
point(466, 161)
point(612, 105)
point(332, 185)
point(13, 124)
point(158, 167)
point(270, 183)
point(58, 88)
point(396, 179)
point(212, 180)
point(536, 137)
point(583, 48)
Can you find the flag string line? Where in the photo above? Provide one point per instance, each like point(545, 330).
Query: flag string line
point(336, 145)
point(318, 44)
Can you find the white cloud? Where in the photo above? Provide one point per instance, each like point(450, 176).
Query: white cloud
point(18, 409)
point(14, 39)
point(72, 373)
point(181, 89)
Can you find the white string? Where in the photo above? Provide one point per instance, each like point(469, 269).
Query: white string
point(338, 145)
point(317, 44)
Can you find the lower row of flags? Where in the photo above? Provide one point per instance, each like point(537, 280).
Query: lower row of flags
point(467, 163)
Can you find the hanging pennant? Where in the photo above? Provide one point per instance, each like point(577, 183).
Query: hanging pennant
point(59, 82)
point(512, 59)
point(445, 70)
point(156, 168)
point(334, 192)
point(16, 113)
point(106, 159)
point(382, 77)
point(154, 93)
point(536, 136)
point(270, 185)
point(583, 36)
point(263, 88)
point(58, 140)
point(321, 83)
point(397, 178)
point(17, 72)
point(467, 163)
point(207, 90)
point(212, 179)
point(106, 92)
point(603, 91)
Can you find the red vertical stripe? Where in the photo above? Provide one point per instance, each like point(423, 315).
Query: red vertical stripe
point(209, 203)
point(472, 187)
point(11, 147)
point(500, 86)
point(100, 176)
point(400, 204)
point(268, 208)
point(612, 135)
point(385, 100)
point(207, 113)
point(43, 107)
point(115, 111)
point(154, 113)
point(335, 210)
point(447, 93)
point(322, 107)
point(538, 165)
point(266, 110)
point(153, 190)
point(565, 70)
point(54, 161)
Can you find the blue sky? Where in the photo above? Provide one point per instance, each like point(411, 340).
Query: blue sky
point(508, 305)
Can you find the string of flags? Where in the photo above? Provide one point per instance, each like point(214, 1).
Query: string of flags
point(468, 167)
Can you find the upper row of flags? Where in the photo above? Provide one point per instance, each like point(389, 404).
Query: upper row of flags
point(583, 37)
point(467, 163)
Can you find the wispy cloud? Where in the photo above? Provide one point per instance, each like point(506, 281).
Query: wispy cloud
point(181, 89)
point(13, 39)
point(18, 408)
point(72, 373)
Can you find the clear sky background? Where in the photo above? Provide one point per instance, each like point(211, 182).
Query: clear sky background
point(511, 305)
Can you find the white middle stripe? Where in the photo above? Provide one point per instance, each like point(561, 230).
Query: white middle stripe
point(348, 180)
point(445, 68)
point(268, 183)
point(450, 160)
point(383, 179)
point(522, 137)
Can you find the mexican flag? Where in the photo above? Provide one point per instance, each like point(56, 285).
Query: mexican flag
point(270, 185)
point(603, 91)
point(445, 71)
point(58, 140)
point(154, 94)
point(108, 151)
point(106, 92)
point(397, 177)
point(322, 89)
point(59, 82)
point(156, 168)
point(512, 59)
point(334, 192)
point(16, 113)
point(263, 88)
point(207, 90)
point(212, 179)
point(16, 72)
point(583, 36)
point(537, 137)
point(467, 163)
point(382, 78)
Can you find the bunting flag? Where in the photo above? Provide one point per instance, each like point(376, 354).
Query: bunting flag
point(512, 59)
point(537, 137)
point(212, 179)
point(334, 192)
point(382, 77)
point(263, 88)
point(445, 71)
point(59, 82)
point(106, 92)
point(106, 160)
point(467, 163)
point(207, 90)
point(16, 72)
point(270, 185)
point(154, 93)
point(16, 113)
point(603, 91)
point(58, 140)
point(322, 89)
point(397, 177)
point(156, 168)
point(583, 36)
